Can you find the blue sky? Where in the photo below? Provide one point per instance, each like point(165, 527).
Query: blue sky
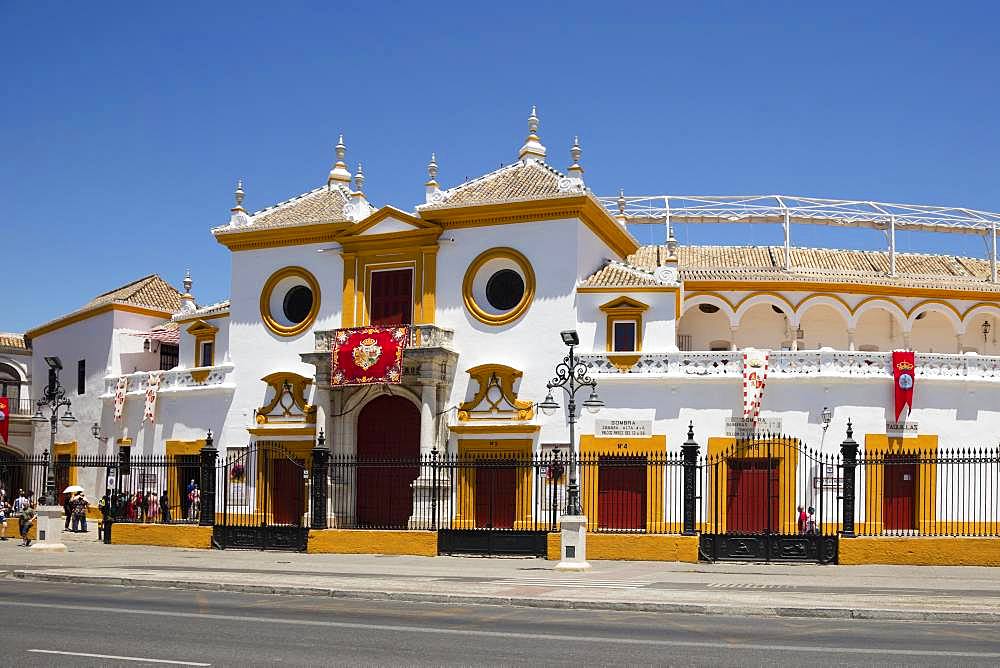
point(124, 126)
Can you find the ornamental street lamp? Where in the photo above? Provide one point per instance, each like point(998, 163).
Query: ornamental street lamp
point(54, 399)
point(986, 330)
point(571, 376)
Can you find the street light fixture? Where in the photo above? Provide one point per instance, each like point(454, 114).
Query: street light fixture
point(986, 330)
point(571, 376)
point(54, 399)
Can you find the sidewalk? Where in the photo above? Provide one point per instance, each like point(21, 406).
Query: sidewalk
point(937, 593)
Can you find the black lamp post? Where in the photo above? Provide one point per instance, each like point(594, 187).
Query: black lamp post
point(53, 398)
point(571, 376)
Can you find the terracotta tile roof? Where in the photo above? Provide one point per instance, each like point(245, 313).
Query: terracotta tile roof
point(322, 205)
point(764, 263)
point(150, 292)
point(217, 308)
point(13, 341)
point(619, 275)
point(522, 180)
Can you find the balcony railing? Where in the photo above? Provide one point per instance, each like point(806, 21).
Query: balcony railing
point(421, 336)
point(785, 363)
point(21, 407)
point(219, 377)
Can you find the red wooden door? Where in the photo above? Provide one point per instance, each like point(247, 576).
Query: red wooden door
point(752, 496)
point(900, 494)
point(287, 487)
point(621, 494)
point(496, 496)
point(391, 297)
point(388, 461)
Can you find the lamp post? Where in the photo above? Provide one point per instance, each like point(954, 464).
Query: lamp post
point(571, 376)
point(986, 332)
point(54, 399)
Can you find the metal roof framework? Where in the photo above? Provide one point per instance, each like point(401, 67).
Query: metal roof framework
point(786, 210)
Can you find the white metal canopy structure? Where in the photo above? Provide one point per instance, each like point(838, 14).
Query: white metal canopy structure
point(786, 210)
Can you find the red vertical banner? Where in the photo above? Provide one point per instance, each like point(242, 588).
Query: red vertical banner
point(903, 374)
point(4, 418)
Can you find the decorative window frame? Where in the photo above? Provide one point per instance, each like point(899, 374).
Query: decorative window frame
point(289, 397)
point(268, 291)
point(623, 309)
point(468, 282)
point(202, 333)
point(482, 406)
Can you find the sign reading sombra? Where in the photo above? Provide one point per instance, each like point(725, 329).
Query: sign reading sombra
point(624, 424)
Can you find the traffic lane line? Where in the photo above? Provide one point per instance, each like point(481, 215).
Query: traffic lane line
point(549, 637)
point(118, 658)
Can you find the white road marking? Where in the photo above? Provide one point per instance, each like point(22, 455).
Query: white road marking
point(119, 658)
point(516, 636)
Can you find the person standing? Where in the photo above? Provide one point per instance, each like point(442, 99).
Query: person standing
point(67, 509)
point(27, 518)
point(104, 505)
point(4, 512)
point(79, 506)
point(186, 501)
point(194, 503)
point(164, 508)
point(152, 506)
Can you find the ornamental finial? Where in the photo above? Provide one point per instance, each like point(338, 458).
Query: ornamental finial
point(621, 201)
point(575, 169)
point(339, 173)
point(239, 196)
point(432, 170)
point(187, 282)
point(532, 149)
point(359, 180)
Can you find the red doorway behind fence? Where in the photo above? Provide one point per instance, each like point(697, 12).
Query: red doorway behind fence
point(899, 497)
point(287, 486)
point(752, 492)
point(496, 495)
point(621, 493)
point(388, 434)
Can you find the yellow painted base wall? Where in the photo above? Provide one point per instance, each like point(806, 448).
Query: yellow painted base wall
point(164, 535)
point(14, 533)
point(631, 547)
point(918, 551)
point(349, 541)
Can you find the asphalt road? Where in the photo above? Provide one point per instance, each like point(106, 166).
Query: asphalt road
point(81, 625)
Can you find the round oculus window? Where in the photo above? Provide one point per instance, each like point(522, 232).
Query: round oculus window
point(297, 304)
point(505, 289)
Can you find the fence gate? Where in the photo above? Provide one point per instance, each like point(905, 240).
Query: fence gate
point(261, 500)
point(767, 498)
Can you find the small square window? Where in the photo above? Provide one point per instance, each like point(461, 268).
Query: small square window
point(624, 336)
point(207, 352)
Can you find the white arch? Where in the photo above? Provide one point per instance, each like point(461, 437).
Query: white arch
point(723, 305)
point(383, 390)
point(878, 304)
point(937, 307)
point(979, 309)
point(820, 300)
point(757, 300)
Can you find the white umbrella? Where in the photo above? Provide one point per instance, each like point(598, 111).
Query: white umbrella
point(72, 488)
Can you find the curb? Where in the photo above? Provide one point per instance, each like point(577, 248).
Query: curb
point(553, 604)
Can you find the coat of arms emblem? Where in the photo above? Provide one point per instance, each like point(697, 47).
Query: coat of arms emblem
point(367, 352)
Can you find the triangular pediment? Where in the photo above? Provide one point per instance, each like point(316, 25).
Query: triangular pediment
point(388, 220)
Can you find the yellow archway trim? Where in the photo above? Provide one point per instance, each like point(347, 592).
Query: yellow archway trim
point(268, 290)
point(979, 305)
point(692, 298)
point(777, 295)
point(926, 302)
point(519, 309)
point(505, 376)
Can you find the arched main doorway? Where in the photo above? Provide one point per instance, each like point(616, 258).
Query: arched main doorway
point(388, 435)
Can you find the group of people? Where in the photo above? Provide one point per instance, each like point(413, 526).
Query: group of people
point(75, 506)
point(807, 521)
point(149, 506)
point(23, 509)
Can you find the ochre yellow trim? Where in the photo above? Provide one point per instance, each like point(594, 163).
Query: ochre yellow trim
point(124, 441)
point(465, 501)
point(519, 309)
point(200, 375)
point(387, 211)
point(279, 237)
point(506, 377)
point(916, 551)
point(923, 305)
point(776, 295)
point(265, 301)
point(787, 455)
point(84, 315)
point(297, 386)
point(593, 447)
point(177, 449)
point(925, 448)
point(202, 333)
point(583, 207)
point(691, 298)
point(624, 309)
point(282, 431)
point(357, 541)
point(163, 535)
point(495, 429)
point(651, 288)
point(809, 286)
point(70, 449)
point(633, 547)
point(623, 361)
point(213, 316)
point(979, 305)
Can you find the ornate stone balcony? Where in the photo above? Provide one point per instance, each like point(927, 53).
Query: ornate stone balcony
point(784, 363)
point(218, 377)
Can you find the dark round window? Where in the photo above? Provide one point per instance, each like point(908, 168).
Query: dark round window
point(505, 289)
point(708, 308)
point(297, 304)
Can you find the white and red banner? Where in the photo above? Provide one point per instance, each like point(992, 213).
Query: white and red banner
point(121, 389)
point(152, 387)
point(4, 419)
point(754, 379)
point(368, 355)
point(903, 375)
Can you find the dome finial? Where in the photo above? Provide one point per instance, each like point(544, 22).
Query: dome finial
point(239, 196)
point(575, 151)
point(533, 148)
point(432, 170)
point(339, 173)
point(238, 215)
point(187, 281)
point(359, 180)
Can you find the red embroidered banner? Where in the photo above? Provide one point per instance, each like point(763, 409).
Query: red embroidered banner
point(4, 418)
point(903, 373)
point(368, 355)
